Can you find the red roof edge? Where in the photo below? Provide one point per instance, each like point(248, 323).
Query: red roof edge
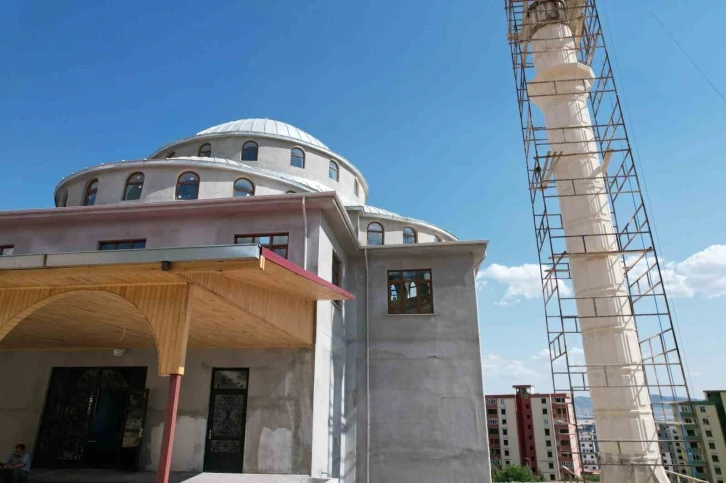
point(287, 264)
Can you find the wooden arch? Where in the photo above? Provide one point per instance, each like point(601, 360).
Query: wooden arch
point(164, 307)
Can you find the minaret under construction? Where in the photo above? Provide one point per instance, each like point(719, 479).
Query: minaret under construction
point(600, 272)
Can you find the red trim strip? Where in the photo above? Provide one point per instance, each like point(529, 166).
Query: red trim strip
point(284, 263)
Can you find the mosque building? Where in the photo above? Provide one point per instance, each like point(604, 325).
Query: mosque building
point(232, 304)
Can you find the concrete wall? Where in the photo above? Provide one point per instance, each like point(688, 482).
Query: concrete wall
point(278, 434)
point(161, 231)
point(428, 418)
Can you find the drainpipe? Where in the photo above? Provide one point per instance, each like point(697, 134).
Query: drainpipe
point(305, 234)
point(368, 378)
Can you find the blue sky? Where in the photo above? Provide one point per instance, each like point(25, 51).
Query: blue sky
point(419, 95)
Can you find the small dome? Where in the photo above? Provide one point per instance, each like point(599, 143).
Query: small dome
point(265, 126)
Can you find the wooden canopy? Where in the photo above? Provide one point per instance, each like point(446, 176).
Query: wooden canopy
point(170, 299)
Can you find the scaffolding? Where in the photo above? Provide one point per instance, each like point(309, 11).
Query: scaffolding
point(677, 423)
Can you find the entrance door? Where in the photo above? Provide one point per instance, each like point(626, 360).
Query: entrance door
point(224, 449)
point(86, 415)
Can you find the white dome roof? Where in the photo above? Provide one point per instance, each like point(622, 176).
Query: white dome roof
point(265, 126)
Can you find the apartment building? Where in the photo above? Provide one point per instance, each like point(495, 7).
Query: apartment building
point(587, 436)
point(534, 430)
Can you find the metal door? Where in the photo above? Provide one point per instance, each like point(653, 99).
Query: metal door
point(224, 449)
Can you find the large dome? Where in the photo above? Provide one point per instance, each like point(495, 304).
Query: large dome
point(264, 126)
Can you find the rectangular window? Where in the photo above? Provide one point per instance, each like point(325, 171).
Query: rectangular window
point(337, 270)
point(504, 421)
point(122, 245)
point(711, 445)
point(504, 432)
point(548, 443)
point(491, 401)
point(544, 410)
point(714, 458)
point(410, 292)
point(706, 421)
point(549, 454)
point(717, 470)
point(702, 408)
point(275, 242)
point(492, 421)
point(506, 442)
point(709, 433)
point(6, 250)
point(544, 401)
point(504, 411)
point(547, 432)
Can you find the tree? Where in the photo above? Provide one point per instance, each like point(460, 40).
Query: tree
point(515, 473)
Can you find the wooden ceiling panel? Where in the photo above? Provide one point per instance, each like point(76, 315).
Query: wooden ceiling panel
point(82, 320)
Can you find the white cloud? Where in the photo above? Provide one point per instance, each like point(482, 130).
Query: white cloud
point(702, 274)
point(494, 365)
point(523, 281)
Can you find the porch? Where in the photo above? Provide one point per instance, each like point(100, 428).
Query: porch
point(162, 301)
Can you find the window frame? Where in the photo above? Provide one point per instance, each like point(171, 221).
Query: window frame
point(415, 236)
point(336, 276)
point(179, 183)
point(292, 156)
point(133, 241)
point(130, 183)
point(88, 192)
point(234, 188)
point(257, 151)
point(4, 248)
point(401, 285)
point(199, 151)
point(272, 245)
point(368, 234)
point(333, 167)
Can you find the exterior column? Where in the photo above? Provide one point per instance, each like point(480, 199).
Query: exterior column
point(167, 440)
point(629, 451)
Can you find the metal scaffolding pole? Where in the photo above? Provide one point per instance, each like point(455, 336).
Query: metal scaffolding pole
point(609, 326)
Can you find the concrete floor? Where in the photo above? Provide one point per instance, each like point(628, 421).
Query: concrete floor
point(101, 476)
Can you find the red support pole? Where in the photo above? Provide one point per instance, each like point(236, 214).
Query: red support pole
point(167, 440)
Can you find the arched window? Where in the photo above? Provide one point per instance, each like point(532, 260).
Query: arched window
point(355, 187)
point(205, 150)
point(171, 154)
point(437, 239)
point(297, 158)
point(187, 186)
point(89, 199)
point(249, 151)
point(243, 187)
point(333, 171)
point(409, 235)
point(134, 185)
point(375, 234)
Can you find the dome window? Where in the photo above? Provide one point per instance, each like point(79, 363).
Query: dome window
point(334, 171)
point(376, 235)
point(355, 186)
point(171, 154)
point(134, 185)
point(437, 239)
point(290, 192)
point(249, 151)
point(243, 187)
point(297, 158)
point(187, 186)
point(409, 235)
point(89, 199)
point(60, 201)
point(205, 150)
